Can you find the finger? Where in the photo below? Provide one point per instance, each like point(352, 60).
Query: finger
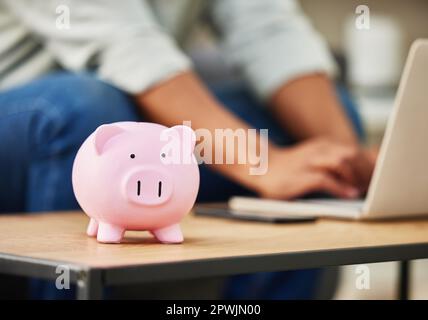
point(364, 169)
point(359, 164)
point(372, 154)
point(337, 166)
point(327, 183)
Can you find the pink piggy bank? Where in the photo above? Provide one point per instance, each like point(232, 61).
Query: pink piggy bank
point(136, 176)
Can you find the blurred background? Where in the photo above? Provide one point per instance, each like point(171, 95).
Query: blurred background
point(372, 76)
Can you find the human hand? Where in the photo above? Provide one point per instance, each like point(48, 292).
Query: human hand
point(317, 165)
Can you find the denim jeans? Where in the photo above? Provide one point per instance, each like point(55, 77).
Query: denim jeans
point(42, 125)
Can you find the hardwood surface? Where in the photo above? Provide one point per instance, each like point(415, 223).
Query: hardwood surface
point(61, 237)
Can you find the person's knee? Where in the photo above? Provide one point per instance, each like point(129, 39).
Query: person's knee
point(67, 107)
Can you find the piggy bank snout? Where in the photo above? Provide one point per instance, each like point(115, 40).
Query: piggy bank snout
point(148, 186)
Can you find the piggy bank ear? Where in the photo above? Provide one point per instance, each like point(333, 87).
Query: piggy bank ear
point(187, 137)
point(103, 134)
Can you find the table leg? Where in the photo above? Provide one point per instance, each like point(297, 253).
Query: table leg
point(89, 285)
point(404, 280)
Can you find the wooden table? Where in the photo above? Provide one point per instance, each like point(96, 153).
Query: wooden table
point(35, 245)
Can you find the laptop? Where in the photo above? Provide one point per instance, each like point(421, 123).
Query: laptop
point(399, 186)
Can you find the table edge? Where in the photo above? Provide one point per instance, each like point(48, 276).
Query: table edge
point(218, 266)
point(263, 262)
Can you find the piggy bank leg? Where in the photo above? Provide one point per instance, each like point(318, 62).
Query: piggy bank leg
point(170, 234)
point(109, 233)
point(92, 229)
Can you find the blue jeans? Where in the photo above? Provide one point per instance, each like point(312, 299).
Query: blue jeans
point(42, 125)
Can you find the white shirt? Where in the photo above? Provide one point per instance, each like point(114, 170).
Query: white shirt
point(132, 43)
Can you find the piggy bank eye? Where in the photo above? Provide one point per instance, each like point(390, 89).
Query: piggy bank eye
point(163, 155)
point(132, 156)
